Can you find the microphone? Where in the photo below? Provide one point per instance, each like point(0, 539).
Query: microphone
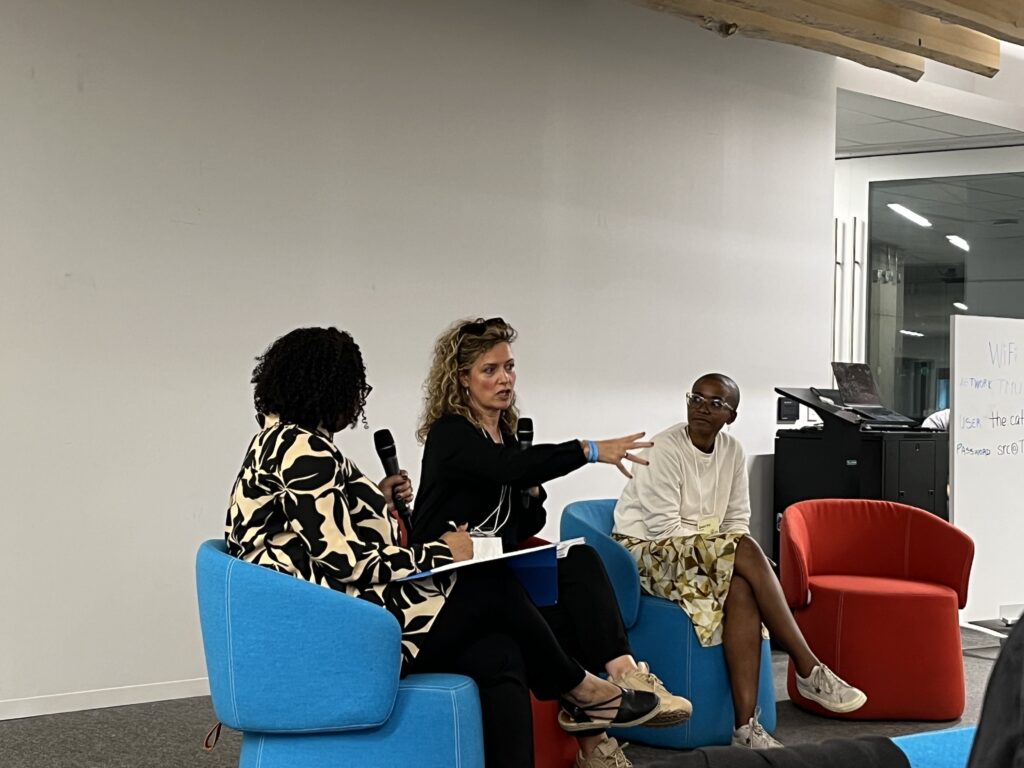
point(385, 445)
point(524, 431)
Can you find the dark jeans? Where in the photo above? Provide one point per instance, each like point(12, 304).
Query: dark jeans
point(490, 631)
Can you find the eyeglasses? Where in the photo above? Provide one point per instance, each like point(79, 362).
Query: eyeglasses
point(479, 327)
point(713, 403)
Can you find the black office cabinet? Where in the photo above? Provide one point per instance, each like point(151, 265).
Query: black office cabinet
point(916, 470)
point(840, 459)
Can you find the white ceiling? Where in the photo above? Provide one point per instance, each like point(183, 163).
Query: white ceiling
point(867, 125)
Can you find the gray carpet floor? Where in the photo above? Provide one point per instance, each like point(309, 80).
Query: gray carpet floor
point(169, 734)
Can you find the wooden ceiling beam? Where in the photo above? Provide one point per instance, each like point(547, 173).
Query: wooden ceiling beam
point(879, 23)
point(1002, 19)
point(728, 20)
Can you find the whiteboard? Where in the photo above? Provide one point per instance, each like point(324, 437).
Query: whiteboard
point(987, 462)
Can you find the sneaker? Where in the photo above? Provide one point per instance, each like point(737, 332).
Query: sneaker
point(752, 735)
point(828, 689)
point(674, 709)
point(608, 754)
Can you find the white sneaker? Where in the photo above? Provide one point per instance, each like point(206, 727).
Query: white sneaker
point(752, 735)
point(608, 754)
point(674, 709)
point(828, 689)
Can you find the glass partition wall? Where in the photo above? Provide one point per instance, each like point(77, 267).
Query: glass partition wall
point(937, 247)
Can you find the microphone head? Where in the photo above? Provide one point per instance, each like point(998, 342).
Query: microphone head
point(384, 443)
point(524, 429)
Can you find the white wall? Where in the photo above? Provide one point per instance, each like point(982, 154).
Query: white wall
point(183, 182)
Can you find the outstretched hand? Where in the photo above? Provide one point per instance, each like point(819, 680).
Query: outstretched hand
point(617, 450)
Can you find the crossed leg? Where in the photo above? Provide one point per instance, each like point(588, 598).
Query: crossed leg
point(755, 596)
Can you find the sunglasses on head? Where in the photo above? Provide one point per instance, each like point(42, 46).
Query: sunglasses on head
point(479, 327)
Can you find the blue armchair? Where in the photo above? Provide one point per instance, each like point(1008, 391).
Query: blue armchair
point(310, 676)
point(661, 633)
point(946, 748)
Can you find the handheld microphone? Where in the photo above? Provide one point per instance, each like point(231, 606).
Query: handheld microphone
point(385, 445)
point(524, 432)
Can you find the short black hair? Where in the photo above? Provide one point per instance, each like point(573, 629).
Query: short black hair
point(726, 382)
point(313, 377)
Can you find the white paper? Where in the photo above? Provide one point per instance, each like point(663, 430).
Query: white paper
point(453, 566)
point(562, 547)
point(486, 548)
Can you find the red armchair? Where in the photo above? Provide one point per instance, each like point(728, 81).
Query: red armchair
point(875, 586)
point(552, 747)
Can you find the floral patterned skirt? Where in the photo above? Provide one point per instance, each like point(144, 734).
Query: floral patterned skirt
point(694, 571)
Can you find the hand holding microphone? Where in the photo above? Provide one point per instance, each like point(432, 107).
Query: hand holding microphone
point(396, 484)
point(397, 489)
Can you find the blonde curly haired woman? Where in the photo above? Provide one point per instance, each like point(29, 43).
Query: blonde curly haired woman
point(474, 474)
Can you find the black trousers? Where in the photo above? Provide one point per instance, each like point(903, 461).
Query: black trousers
point(490, 631)
point(866, 752)
point(586, 620)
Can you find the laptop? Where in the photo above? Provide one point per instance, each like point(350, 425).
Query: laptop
point(859, 392)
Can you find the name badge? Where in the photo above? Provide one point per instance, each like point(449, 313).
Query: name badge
point(707, 526)
point(487, 547)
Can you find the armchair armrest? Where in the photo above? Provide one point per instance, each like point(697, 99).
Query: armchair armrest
point(940, 553)
point(621, 568)
point(794, 559)
point(285, 655)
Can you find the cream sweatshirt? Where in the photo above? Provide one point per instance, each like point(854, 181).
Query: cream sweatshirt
point(684, 487)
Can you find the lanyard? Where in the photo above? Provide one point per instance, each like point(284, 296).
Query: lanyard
point(499, 519)
point(494, 522)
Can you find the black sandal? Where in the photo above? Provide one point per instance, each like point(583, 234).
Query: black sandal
point(635, 708)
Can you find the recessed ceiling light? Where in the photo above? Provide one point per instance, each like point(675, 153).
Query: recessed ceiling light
point(915, 334)
point(959, 242)
point(909, 214)
point(960, 305)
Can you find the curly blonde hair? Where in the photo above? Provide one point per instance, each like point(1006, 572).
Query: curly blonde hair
point(455, 351)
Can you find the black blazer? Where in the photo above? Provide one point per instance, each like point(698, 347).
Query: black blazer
point(463, 473)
